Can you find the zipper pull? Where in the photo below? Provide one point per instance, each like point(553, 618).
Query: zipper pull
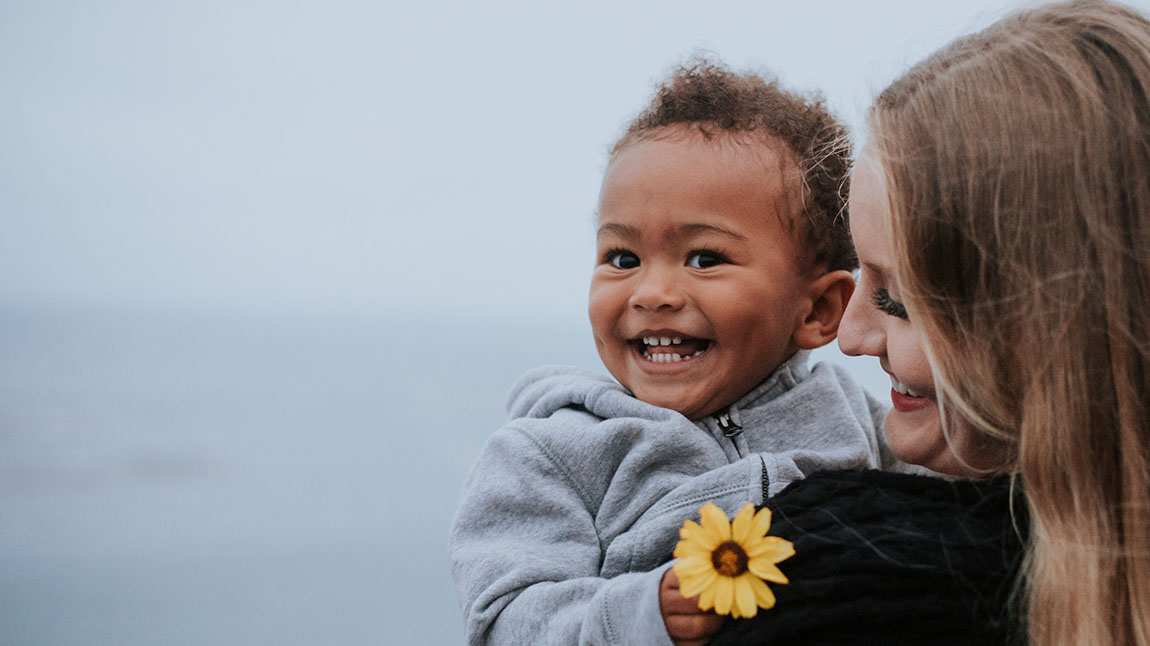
point(729, 428)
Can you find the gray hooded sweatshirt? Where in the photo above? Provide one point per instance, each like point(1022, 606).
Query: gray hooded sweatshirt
point(569, 516)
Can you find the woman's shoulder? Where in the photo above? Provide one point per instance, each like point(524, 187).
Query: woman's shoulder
point(891, 558)
point(892, 492)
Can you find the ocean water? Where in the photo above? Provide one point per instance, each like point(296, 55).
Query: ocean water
point(192, 479)
point(183, 478)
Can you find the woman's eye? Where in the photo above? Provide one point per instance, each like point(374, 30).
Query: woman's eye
point(622, 259)
point(888, 305)
point(704, 259)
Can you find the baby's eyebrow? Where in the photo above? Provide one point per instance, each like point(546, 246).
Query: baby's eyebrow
point(684, 231)
point(696, 229)
point(615, 228)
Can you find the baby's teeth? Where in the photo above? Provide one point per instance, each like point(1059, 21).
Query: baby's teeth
point(662, 340)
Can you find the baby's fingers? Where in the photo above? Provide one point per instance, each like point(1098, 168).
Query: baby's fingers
point(686, 624)
point(692, 629)
point(671, 600)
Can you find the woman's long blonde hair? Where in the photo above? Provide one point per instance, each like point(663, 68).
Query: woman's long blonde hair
point(1017, 164)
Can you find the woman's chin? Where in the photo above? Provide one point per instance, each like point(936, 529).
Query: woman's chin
point(917, 438)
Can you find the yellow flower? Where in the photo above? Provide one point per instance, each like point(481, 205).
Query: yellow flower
point(725, 563)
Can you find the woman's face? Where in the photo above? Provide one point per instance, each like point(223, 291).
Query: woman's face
point(876, 324)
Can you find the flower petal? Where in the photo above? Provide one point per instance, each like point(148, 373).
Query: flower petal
point(695, 584)
point(707, 596)
point(724, 595)
point(756, 533)
point(693, 565)
point(693, 533)
point(686, 530)
point(763, 595)
point(771, 548)
point(744, 597)
point(690, 549)
point(741, 526)
point(766, 570)
point(715, 523)
point(761, 522)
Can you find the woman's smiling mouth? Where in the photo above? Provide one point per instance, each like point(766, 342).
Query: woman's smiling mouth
point(904, 399)
point(902, 388)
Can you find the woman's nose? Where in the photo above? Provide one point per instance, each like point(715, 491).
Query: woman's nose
point(656, 289)
point(861, 332)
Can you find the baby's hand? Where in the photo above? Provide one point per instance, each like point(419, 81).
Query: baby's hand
point(686, 624)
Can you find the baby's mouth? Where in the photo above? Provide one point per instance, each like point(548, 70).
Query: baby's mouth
point(670, 349)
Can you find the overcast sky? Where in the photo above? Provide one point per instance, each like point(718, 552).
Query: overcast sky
point(365, 156)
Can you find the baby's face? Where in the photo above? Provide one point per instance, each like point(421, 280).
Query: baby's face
point(696, 290)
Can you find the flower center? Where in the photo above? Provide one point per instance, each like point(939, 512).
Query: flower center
point(729, 559)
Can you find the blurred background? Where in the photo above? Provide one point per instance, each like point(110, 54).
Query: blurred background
point(267, 270)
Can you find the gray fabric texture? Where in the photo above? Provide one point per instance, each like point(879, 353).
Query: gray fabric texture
point(569, 516)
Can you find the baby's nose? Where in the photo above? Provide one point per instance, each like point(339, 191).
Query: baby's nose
point(658, 289)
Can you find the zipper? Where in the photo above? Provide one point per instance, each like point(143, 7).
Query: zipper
point(729, 428)
point(766, 481)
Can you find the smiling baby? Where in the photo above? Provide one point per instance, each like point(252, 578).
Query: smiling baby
point(723, 257)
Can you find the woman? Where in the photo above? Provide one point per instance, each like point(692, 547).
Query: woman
point(1001, 213)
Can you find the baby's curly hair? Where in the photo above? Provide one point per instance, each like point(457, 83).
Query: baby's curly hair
point(707, 95)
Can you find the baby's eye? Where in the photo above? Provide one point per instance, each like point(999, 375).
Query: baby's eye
point(888, 305)
point(621, 258)
point(705, 259)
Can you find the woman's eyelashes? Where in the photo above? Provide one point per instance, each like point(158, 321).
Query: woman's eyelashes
point(888, 305)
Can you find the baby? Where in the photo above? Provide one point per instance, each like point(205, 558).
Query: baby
point(723, 257)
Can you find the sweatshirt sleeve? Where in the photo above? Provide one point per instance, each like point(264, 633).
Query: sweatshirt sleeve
point(526, 555)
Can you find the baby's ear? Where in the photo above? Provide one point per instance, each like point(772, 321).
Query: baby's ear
point(829, 294)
